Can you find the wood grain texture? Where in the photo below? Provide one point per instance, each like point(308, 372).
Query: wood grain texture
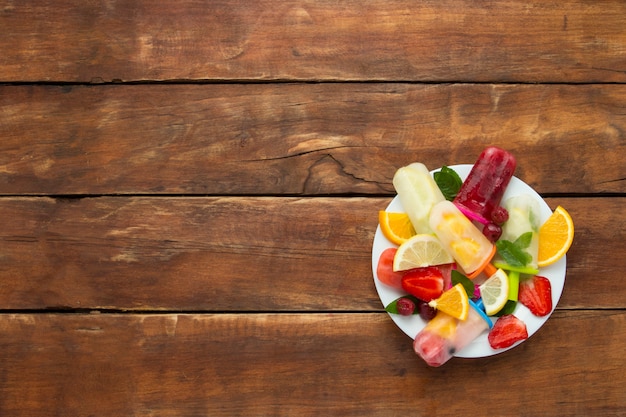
point(189, 193)
point(297, 364)
point(451, 40)
point(301, 139)
point(240, 254)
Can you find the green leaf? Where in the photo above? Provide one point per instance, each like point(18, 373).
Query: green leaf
point(448, 182)
point(392, 307)
point(523, 241)
point(508, 308)
point(512, 253)
point(467, 283)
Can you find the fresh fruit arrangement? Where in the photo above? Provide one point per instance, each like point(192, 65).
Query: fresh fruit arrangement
point(468, 265)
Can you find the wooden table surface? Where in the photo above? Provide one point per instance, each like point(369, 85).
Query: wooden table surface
point(189, 193)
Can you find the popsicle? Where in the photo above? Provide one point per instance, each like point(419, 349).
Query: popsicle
point(521, 230)
point(524, 222)
point(417, 192)
point(445, 335)
point(471, 250)
point(483, 188)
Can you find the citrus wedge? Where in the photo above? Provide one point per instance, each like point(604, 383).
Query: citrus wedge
point(420, 251)
point(396, 227)
point(555, 237)
point(495, 292)
point(453, 302)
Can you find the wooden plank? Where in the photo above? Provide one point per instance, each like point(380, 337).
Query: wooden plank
point(297, 364)
point(240, 254)
point(304, 139)
point(451, 40)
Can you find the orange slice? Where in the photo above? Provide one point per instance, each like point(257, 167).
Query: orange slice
point(396, 227)
point(454, 302)
point(555, 237)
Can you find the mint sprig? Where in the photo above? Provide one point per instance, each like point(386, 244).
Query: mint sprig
point(468, 285)
point(448, 182)
point(514, 253)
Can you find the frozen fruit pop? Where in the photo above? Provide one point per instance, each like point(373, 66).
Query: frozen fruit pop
point(483, 188)
point(521, 230)
point(417, 192)
point(445, 335)
point(524, 221)
point(471, 250)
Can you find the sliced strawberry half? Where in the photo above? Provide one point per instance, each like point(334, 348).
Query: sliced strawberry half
point(424, 283)
point(507, 330)
point(536, 294)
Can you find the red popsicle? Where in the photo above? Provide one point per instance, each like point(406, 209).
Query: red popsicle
point(483, 188)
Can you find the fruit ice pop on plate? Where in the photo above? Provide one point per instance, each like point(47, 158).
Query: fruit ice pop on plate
point(468, 246)
point(483, 188)
point(417, 192)
point(523, 226)
point(520, 239)
point(445, 335)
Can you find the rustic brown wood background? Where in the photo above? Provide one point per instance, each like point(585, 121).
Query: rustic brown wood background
point(189, 190)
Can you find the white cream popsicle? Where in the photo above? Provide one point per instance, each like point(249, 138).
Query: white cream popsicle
point(471, 250)
point(418, 193)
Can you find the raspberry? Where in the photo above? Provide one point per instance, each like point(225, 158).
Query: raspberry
point(492, 232)
point(405, 306)
point(499, 215)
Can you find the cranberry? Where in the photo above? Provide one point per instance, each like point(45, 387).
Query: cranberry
point(426, 311)
point(499, 215)
point(405, 306)
point(492, 231)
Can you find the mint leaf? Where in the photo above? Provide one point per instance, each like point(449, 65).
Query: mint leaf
point(523, 241)
point(508, 308)
point(467, 283)
point(448, 182)
point(392, 307)
point(512, 254)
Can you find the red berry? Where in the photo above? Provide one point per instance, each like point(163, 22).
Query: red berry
point(492, 232)
point(423, 283)
point(405, 306)
point(536, 294)
point(507, 330)
point(426, 312)
point(499, 215)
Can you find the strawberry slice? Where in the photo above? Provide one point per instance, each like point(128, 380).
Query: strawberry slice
point(424, 283)
point(384, 269)
point(507, 330)
point(536, 294)
point(446, 271)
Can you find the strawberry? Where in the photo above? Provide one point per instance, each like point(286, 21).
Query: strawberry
point(507, 330)
point(423, 283)
point(446, 271)
point(536, 294)
point(384, 269)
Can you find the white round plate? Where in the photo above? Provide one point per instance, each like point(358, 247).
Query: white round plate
point(411, 325)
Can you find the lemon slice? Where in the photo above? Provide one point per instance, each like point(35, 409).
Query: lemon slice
point(396, 227)
point(454, 302)
point(495, 292)
point(420, 251)
point(555, 237)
